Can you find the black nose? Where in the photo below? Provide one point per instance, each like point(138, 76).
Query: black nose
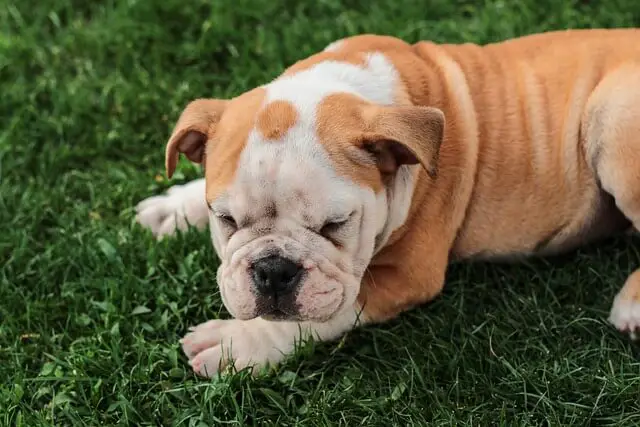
point(275, 275)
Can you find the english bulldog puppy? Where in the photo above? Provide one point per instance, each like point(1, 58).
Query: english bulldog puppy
point(338, 193)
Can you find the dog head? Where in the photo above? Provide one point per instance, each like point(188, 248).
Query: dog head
point(306, 177)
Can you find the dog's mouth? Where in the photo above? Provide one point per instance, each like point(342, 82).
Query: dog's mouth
point(276, 315)
point(277, 307)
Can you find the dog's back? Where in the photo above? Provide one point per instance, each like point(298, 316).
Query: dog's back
point(529, 96)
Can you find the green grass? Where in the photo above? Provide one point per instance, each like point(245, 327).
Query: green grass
point(91, 307)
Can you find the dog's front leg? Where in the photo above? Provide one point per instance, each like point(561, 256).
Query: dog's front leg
point(180, 207)
point(402, 278)
point(256, 343)
point(391, 290)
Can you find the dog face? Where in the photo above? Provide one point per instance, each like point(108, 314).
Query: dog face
point(306, 178)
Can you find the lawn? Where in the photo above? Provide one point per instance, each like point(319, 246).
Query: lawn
point(91, 307)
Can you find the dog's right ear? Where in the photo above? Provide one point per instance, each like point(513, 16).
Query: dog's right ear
point(194, 128)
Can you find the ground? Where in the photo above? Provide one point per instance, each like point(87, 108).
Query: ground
point(92, 308)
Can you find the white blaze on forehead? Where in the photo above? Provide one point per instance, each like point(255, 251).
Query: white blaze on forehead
point(297, 164)
point(292, 176)
point(376, 82)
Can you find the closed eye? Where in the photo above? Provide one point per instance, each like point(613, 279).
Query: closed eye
point(227, 220)
point(332, 226)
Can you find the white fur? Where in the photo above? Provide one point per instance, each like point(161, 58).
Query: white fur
point(625, 315)
point(255, 343)
point(180, 207)
point(397, 201)
point(377, 82)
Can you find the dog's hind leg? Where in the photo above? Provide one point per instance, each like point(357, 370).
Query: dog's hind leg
point(180, 207)
point(611, 127)
point(625, 312)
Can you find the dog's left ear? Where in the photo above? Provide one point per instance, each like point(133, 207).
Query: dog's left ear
point(404, 135)
point(194, 128)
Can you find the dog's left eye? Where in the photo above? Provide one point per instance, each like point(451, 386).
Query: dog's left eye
point(329, 228)
point(228, 220)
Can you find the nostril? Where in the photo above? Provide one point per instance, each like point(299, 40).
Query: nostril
point(288, 273)
point(260, 276)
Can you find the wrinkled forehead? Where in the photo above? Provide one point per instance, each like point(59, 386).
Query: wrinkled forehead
point(286, 178)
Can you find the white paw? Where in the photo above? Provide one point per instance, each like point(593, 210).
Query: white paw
point(625, 315)
point(212, 346)
point(180, 207)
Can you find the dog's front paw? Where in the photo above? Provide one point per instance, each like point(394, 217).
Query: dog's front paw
point(625, 315)
point(214, 345)
point(177, 209)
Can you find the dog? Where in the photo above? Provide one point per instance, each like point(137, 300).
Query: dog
point(338, 193)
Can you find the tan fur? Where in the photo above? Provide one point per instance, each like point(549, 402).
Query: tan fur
point(197, 121)
point(339, 122)
point(276, 118)
point(346, 123)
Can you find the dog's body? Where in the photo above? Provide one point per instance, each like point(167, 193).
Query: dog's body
point(340, 192)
